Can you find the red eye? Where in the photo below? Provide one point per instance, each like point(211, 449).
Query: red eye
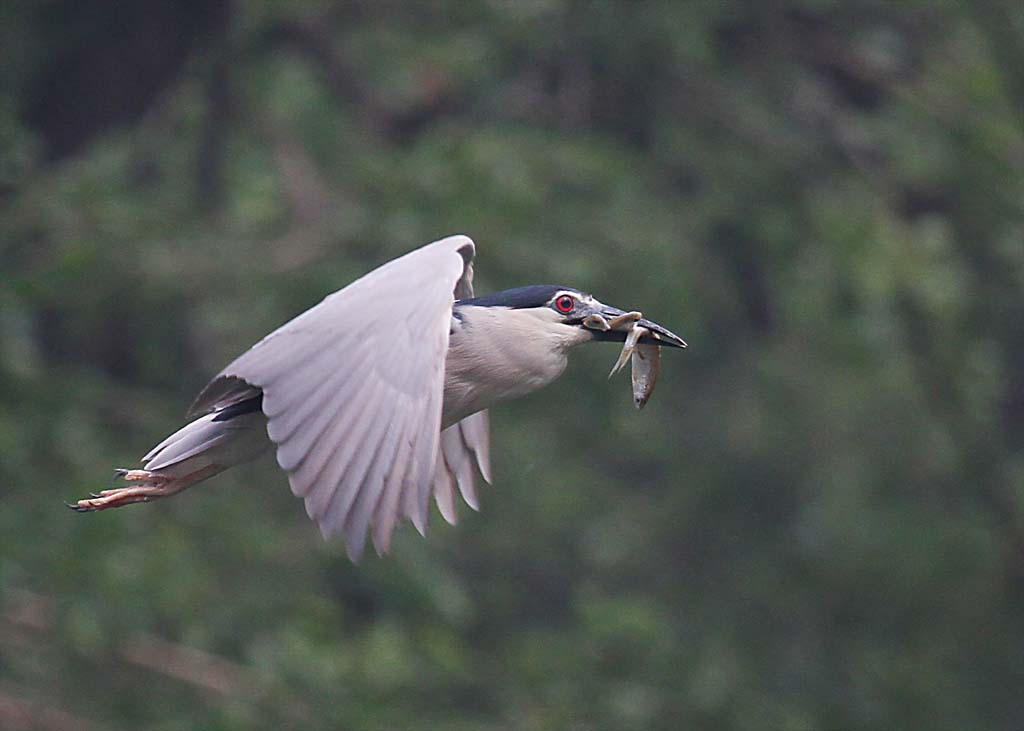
point(565, 303)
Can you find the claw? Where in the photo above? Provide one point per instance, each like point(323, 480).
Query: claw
point(77, 508)
point(94, 494)
point(118, 474)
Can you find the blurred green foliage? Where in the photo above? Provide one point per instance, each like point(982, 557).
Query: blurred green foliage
point(817, 523)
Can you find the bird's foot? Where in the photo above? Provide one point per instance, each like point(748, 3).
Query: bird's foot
point(149, 486)
point(117, 497)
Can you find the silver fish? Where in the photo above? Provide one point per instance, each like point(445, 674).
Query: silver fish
point(646, 362)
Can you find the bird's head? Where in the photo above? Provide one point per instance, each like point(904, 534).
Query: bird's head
point(558, 307)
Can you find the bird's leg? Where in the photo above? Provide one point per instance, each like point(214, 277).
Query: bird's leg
point(150, 487)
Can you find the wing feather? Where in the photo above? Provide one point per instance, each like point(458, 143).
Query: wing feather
point(308, 388)
point(353, 390)
point(319, 488)
point(221, 392)
point(387, 507)
point(386, 459)
point(398, 481)
point(337, 518)
point(369, 501)
point(309, 414)
point(444, 491)
point(424, 456)
point(457, 458)
point(462, 444)
point(476, 434)
point(324, 467)
point(466, 481)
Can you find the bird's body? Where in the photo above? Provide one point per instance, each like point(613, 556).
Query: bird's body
point(375, 399)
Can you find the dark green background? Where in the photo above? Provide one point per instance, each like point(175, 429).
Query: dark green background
point(817, 523)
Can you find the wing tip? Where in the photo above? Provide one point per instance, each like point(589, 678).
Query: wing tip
point(471, 498)
point(460, 241)
point(451, 517)
point(420, 522)
point(382, 544)
point(355, 549)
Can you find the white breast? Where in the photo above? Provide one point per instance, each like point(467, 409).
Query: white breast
point(496, 354)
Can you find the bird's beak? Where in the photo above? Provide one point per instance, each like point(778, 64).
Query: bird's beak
point(611, 323)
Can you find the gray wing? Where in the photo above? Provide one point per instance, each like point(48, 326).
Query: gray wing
point(462, 445)
point(353, 388)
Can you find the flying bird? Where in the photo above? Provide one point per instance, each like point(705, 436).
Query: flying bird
point(376, 399)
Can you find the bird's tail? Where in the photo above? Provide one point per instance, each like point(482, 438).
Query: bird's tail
point(224, 438)
point(199, 450)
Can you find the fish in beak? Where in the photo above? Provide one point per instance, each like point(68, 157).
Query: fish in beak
point(612, 324)
point(642, 340)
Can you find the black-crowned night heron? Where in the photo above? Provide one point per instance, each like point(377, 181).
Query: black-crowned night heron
point(376, 398)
